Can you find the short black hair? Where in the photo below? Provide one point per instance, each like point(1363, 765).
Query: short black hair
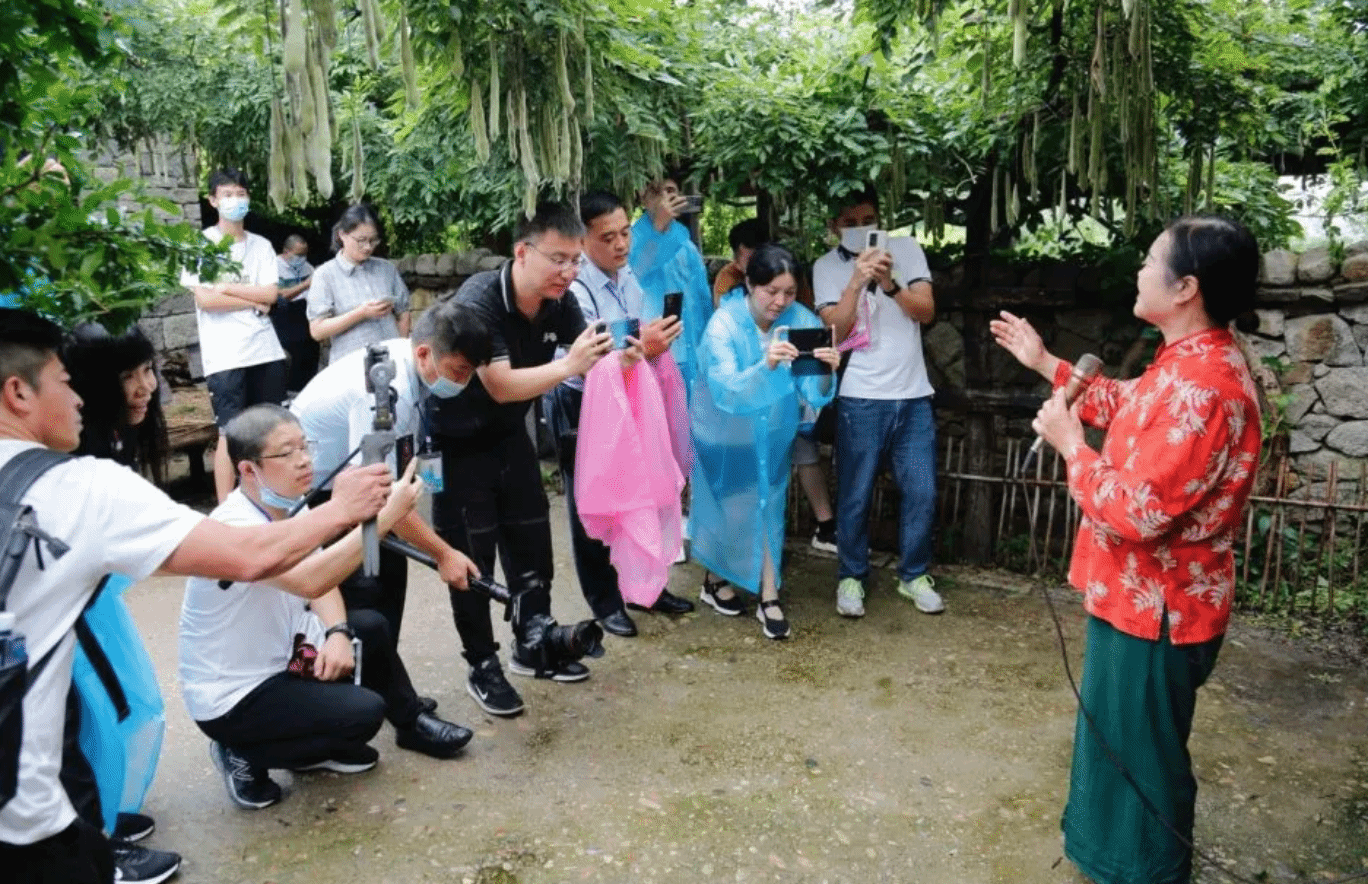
point(551, 216)
point(353, 217)
point(451, 327)
point(751, 233)
point(221, 177)
point(292, 241)
point(597, 203)
point(1223, 256)
point(866, 194)
point(27, 343)
point(246, 433)
point(770, 260)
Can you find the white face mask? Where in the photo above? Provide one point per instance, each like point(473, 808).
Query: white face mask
point(855, 239)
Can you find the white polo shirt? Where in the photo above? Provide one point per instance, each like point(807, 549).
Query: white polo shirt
point(335, 410)
point(114, 521)
point(238, 338)
point(892, 366)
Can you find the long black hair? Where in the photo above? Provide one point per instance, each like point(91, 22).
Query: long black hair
point(96, 361)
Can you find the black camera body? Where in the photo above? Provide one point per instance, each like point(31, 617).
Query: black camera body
point(541, 641)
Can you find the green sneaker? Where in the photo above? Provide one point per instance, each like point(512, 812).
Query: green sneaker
point(921, 590)
point(850, 598)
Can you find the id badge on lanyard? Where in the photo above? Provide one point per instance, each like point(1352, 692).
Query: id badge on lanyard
point(430, 470)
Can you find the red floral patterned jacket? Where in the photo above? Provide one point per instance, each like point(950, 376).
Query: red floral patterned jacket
point(1163, 501)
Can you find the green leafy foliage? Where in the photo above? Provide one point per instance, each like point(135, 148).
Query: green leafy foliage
point(66, 246)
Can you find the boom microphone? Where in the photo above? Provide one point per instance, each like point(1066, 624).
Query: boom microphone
point(1085, 369)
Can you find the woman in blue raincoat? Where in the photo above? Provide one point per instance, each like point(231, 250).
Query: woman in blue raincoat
point(744, 414)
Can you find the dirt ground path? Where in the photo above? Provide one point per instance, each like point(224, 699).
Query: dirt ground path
point(897, 748)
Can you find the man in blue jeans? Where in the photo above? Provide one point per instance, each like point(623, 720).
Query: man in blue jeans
point(878, 298)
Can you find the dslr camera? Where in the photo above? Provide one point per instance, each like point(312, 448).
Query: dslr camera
point(541, 641)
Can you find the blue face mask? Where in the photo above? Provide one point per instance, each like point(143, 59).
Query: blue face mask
point(234, 208)
point(444, 387)
point(277, 501)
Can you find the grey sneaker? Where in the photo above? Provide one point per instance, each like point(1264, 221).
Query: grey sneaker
point(850, 598)
point(921, 590)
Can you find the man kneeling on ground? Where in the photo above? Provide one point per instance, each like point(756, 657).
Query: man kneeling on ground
point(264, 675)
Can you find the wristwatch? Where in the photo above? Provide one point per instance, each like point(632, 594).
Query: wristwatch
point(344, 627)
point(897, 287)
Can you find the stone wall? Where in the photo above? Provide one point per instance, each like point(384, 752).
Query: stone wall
point(1313, 334)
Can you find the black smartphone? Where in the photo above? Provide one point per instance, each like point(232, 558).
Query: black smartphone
point(693, 204)
point(403, 453)
point(674, 305)
point(809, 339)
point(621, 330)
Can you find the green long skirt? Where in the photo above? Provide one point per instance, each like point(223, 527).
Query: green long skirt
point(1141, 695)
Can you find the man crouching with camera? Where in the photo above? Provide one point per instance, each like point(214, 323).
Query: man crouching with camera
point(268, 668)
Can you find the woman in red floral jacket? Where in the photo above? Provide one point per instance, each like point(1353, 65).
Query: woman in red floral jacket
point(1162, 504)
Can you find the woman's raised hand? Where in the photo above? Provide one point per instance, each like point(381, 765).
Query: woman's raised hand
point(1016, 336)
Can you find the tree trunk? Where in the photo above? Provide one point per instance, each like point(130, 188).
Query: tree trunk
point(980, 438)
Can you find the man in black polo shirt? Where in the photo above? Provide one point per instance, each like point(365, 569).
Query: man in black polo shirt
point(493, 496)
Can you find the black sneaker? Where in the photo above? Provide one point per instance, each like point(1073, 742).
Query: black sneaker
point(824, 539)
point(491, 691)
point(566, 673)
point(132, 827)
point(248, 786)
point(358, 759)
point(141, 865)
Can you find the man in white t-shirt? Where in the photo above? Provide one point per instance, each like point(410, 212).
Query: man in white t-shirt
point(878, 299)
point(244, 363)
point(122, 524)
point(447, 344)
point(265, 665)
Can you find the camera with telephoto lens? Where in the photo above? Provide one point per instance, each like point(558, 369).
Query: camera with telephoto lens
point(541, 641)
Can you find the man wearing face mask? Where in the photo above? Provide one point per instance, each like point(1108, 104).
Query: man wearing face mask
point(243, 361)
point(878, 299)
point(448, 342)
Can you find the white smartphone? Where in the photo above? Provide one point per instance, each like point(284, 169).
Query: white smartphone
point(878, 239)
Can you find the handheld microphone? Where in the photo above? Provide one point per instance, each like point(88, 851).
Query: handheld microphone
point(1085, 369)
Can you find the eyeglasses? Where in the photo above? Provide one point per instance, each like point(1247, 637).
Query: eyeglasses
point(366, 242)
point(562, 264)
point(309, 449)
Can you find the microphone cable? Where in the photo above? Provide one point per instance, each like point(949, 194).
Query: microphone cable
point(1125, 772)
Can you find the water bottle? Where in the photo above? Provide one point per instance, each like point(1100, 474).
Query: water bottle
point(13, 650)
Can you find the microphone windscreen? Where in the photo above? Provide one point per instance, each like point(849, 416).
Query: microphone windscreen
point(1088, 366)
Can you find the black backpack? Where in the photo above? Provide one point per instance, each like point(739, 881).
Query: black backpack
point(18, 531)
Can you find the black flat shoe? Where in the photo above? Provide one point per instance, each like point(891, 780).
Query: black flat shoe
point(727, 607)
point(668, 603)
point(431, 735)
point(771, 617)
point(618, 623)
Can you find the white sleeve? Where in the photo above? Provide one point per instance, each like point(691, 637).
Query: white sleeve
point(140, 527)
point(261, 265)
point(909, 261)
point(829, 278)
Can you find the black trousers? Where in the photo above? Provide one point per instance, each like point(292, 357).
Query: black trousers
point(597, 576)
point(79, 854)
point(493, 502)
point(291, 323)
point(288, 722)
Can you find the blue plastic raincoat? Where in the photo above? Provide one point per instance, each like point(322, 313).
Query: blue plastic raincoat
point(669, 262)
point(744, 416)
